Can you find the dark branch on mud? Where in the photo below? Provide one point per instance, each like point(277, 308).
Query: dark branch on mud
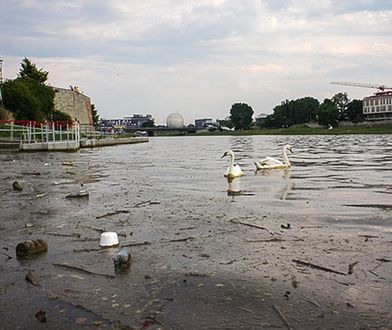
point(308, 264)
point(81, 269)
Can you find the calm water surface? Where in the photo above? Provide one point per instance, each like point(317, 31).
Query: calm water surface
point(343, 180)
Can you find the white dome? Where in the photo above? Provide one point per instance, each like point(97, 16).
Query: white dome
point(175, 120)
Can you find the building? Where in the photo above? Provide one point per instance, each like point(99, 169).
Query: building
point(260, 119)
point(200, 123)
point(378, 106)
point(135, 121)
point(74, 104)
point(175, 120)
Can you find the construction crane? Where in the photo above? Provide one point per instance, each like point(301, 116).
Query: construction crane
point(382, 88)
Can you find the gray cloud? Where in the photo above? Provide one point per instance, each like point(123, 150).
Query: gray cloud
point(200, 56)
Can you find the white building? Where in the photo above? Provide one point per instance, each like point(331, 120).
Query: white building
point(378, 106)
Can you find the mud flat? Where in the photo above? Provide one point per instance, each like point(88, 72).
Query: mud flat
point(200, 260)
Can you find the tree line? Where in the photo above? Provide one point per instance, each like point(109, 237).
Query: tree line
point(29, 97)
point(299, 111)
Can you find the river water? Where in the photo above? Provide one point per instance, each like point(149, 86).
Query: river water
point(202, 257)
point(344, 179)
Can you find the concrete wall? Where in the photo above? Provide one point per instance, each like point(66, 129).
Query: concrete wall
point(74, 104)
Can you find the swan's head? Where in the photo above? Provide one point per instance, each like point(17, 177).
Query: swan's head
point(289, 148)
point(229, 153)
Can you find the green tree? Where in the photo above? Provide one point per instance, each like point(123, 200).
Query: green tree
point(355, 111)
point(61, 116)
point(148, 123)
point(341, 101)
point(95, 115)
point(241, 115)
point(29, 70)
point(19, 99)
point(27, 96)
point(328, 113)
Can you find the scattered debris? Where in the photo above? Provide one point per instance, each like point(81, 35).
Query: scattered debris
point(123, 259)
point(31, 278)
point(351, 268)
point(111, 213)
point(251, 225)
point(282, 316)
point(146, 202)
point(80, 194)
point(67, 163)
point(304, 263)
point(41, 316)
point(30, 247)
point(17, 186)
point(81, 269)
point(136, 244)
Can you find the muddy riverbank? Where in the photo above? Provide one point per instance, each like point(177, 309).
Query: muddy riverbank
point(306, 249)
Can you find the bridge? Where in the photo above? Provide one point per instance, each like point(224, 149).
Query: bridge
point(151, 130)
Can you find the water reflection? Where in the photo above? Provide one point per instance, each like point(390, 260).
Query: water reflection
point(286, 183)
point(234, 187)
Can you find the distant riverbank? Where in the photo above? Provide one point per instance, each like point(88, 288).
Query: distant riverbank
point(306, 130)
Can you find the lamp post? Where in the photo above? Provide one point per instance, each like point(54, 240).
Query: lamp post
point(1, 81)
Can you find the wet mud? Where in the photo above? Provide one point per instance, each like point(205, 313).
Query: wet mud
point(308, 248)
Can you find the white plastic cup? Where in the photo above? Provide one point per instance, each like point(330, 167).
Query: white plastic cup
point(108, 239)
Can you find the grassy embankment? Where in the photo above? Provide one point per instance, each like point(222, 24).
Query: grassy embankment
point(305, 130)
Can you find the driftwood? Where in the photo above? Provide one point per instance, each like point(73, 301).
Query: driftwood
point(81, 269)
point(111, 213)
point(184, 239)
point(252, 225)
point(282, 316)
point(304, 263)
point(136, 244)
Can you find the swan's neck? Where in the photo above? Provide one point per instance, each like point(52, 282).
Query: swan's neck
point(286, 158)
point(231, 165)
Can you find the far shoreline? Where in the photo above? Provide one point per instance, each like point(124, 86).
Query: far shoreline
point(297, 130)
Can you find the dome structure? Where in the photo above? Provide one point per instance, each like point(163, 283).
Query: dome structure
point(175, 120)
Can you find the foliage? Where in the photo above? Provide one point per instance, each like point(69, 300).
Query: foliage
point(29, 70)
point(95, 115)
point(27, 96)
point(292, 112)
point(148, 123)
point(61, 116)
point(225, 123)
point(241, 115)
point(328, 113)
point(20, 100)
point(354, 111)
point(341, 101)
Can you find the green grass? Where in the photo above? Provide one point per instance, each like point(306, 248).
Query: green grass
point(305, 130)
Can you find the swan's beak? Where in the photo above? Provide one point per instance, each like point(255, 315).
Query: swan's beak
point(224, 155)
point(289, 149)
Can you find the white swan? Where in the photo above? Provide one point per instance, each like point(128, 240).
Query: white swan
point(270, 162)
point(234, 170)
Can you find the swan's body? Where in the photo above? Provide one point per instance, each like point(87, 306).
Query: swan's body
point(234, 170)
point(269, 162)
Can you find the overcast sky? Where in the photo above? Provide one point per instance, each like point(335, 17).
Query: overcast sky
point(199, 57)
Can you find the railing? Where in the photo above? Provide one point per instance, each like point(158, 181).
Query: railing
point(27, 131)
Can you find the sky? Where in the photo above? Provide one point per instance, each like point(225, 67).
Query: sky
point(200, 57)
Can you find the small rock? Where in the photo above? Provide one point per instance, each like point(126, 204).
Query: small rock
point(30, 247)
point(17, 186)
point(31, 278)
point(41, 316)
point(122, 259)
